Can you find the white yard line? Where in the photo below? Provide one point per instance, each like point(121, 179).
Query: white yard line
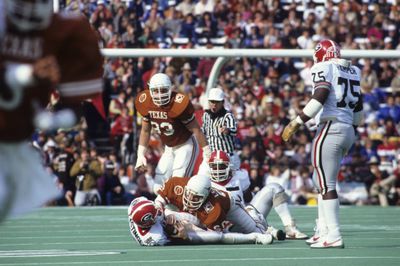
point(203, 260)
point(61, 237)
point(53, 253)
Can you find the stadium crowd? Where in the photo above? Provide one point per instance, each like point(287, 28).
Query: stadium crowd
point(263, 94)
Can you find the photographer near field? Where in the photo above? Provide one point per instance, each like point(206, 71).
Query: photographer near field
point(86, 171)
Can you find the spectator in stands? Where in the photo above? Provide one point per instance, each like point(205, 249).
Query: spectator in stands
point(254, 39)
point(86, 172)
point(188, 28)
point(121, 134)
point(129, 38)
point(113, 193)
point(186, 7)
point(395, 83)
point(155, 22)
point(187, 79)
point(101, 14)
point(205, 64)
point(62, 166)
point(172, 22)
point(382, 184)
point(203, 6)
point(390, 110)
point(117, 105)
point(206, 26)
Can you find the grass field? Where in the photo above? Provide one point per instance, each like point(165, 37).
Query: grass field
point(100, 236)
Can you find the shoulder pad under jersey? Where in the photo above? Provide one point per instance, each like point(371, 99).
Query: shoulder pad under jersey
point(179, 103)
point(142, 102)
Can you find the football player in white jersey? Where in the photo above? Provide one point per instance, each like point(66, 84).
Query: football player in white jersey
point(152, 226)
point(271, 195)
point(336, 105)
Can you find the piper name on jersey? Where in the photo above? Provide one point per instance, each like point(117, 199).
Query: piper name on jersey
point(158, 115)
point(347, 69)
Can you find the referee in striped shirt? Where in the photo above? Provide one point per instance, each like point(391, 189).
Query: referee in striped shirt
point(220, 128)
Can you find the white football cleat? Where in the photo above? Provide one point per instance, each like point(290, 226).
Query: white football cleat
point(264, 239)
point(292, 232)
point(324, 243)
point(312, 240)
point(277, 234)
point(319, 233)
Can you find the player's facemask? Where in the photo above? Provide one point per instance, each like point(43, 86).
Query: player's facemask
point(160, 95)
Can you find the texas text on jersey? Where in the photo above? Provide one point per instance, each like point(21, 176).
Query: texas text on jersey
point(212, 213)
point(168, 121)
point(69, 39)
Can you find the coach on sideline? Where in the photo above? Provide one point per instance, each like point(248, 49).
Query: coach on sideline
point(220, 128)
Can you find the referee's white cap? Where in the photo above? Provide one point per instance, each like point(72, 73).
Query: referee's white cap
point(216, 94)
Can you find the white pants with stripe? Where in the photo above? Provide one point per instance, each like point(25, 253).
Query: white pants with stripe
point(331, 143)
point(177, 161)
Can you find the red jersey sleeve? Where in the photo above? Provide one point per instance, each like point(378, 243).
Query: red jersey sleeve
point(81, 63)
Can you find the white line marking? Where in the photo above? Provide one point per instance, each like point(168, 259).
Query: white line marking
point(62, 237)
point(117, 262)
point(69, 243)
point(132, 241)
point(52, 253)
point(23, 232)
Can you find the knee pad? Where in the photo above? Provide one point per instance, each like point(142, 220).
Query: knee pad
point(258, 217)
point(279, 198)
point(276, 188)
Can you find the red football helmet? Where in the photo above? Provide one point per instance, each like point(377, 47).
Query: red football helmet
point(219, 164)
point(326, 50)
point(143, 212)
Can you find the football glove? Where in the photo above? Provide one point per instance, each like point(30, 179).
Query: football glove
point(290, 129)
point(206, 153)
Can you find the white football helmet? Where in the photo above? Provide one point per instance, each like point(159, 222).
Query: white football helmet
point(196, 192)
point(219, 164)
point(160, 87)
point(28, 15)
point(143, 212)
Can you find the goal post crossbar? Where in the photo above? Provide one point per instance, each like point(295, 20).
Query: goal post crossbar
point(268, 53)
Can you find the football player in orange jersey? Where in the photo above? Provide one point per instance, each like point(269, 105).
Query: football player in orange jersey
point(152, 226)
point(171, 115)
point(39, 51)
point(216, 209)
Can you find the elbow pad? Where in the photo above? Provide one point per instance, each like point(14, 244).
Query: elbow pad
point(312, 108)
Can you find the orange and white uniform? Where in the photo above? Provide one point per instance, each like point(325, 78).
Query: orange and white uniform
point(169, 122)
point(220, 212)
point(212, 213)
